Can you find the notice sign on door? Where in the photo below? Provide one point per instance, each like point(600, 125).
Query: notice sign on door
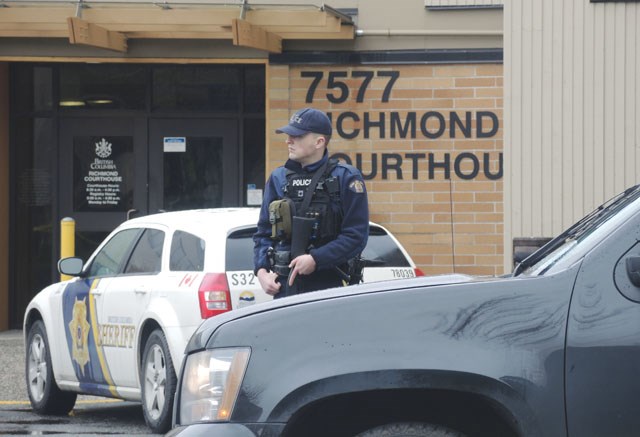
point(174, 144)
point(102, 174)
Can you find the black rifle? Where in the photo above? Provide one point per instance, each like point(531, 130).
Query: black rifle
point(302, 227)
point(301, 231)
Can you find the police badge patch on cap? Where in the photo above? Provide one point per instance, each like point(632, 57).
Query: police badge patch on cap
point(357, 186)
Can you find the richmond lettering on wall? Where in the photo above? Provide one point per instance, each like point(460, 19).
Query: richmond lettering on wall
point(410, 125)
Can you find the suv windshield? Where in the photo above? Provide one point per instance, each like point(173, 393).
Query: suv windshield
point(576, 241)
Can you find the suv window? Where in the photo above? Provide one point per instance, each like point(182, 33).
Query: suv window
point(239, 252)
point(147, 255)
point(111, 257)
point(187, 252)
point(382, 251)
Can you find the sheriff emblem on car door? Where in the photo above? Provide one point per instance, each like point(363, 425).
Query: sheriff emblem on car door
point(79, 329)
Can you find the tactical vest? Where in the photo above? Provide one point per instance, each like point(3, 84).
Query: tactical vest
point(325, 204)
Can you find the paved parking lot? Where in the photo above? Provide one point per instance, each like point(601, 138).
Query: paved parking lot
point(92, 416)
point(12, 365)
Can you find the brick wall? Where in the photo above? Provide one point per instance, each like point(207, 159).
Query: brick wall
point(428, 140)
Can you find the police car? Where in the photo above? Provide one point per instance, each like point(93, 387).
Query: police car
point(120, 326)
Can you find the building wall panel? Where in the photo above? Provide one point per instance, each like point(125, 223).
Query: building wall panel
point(571, 86)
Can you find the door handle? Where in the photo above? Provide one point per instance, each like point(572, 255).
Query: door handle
point(633, 269)
point(96, 292)
point(131, 211)
point(140, 290)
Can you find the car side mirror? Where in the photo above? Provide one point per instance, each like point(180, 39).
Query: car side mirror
point(633, 269)
point(70, 266)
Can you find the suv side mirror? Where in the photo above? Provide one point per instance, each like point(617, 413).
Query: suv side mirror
point(70, 266)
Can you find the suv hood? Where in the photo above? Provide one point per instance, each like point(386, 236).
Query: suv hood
point(200, 338)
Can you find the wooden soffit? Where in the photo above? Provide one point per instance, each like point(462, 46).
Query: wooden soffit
point(110, 24)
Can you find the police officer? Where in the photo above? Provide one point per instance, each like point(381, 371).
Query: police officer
point(336, 207)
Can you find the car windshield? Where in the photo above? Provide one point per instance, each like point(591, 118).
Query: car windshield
point(576, 241)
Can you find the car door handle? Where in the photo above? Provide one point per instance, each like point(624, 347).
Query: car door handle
point(96, 292)
point(140, 290)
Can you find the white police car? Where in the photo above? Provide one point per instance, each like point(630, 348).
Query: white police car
point(119, 328)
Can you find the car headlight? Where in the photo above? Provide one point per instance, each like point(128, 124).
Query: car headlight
point(210, 385)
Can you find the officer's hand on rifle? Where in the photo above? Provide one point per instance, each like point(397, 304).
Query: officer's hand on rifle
point(303, 264)
point(268, 282)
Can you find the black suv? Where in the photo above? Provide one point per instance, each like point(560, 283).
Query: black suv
point(551, 350)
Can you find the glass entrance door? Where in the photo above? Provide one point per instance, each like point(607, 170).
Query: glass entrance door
point(115, 169)
point(193, 164)
point(81, 148)
point(102, 174)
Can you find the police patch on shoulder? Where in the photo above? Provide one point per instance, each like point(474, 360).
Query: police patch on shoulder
point(357, 186)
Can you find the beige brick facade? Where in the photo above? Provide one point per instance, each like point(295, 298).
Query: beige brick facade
point(428, 142)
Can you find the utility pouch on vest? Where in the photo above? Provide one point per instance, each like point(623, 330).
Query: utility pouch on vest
point(281, 214)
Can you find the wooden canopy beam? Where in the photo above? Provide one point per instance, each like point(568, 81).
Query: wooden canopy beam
point(247, 35)
point(197, 22)
point(84, 32)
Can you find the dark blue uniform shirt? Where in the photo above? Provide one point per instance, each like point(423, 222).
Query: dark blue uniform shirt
point(355, 211)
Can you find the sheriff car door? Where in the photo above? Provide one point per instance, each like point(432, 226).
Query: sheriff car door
point(124, 302)
point(82, 302)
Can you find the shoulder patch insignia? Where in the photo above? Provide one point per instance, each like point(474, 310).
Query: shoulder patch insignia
point(357, 186)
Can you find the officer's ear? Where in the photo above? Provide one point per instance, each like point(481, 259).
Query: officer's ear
point(321, 141)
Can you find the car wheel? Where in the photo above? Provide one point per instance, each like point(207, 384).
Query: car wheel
point(158, 383)
point(410, 429)
point(44, 394)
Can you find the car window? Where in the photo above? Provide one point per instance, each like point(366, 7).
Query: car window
point(382, 251)
point(113, 254)
point(187, 252)
point(239, 251)
point(147, 255)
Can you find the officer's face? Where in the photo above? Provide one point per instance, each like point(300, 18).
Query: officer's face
point(306, 149)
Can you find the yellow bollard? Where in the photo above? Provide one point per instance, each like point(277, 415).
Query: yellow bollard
point(67, 241)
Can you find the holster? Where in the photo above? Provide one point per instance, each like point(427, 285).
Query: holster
point(356, 268)
point(351, 272)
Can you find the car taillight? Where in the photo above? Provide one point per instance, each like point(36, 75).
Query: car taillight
point(214, 295)
point(418, 272)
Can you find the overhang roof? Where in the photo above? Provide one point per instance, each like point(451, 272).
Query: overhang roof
point(109, 24)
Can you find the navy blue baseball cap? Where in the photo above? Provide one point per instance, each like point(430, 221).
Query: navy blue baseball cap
point(307, 120)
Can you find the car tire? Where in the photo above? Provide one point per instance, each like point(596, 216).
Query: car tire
point(410, 429)
point(158, 383)
point(44, 394)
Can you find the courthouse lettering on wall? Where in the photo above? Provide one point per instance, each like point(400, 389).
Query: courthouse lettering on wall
point(412, 125)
